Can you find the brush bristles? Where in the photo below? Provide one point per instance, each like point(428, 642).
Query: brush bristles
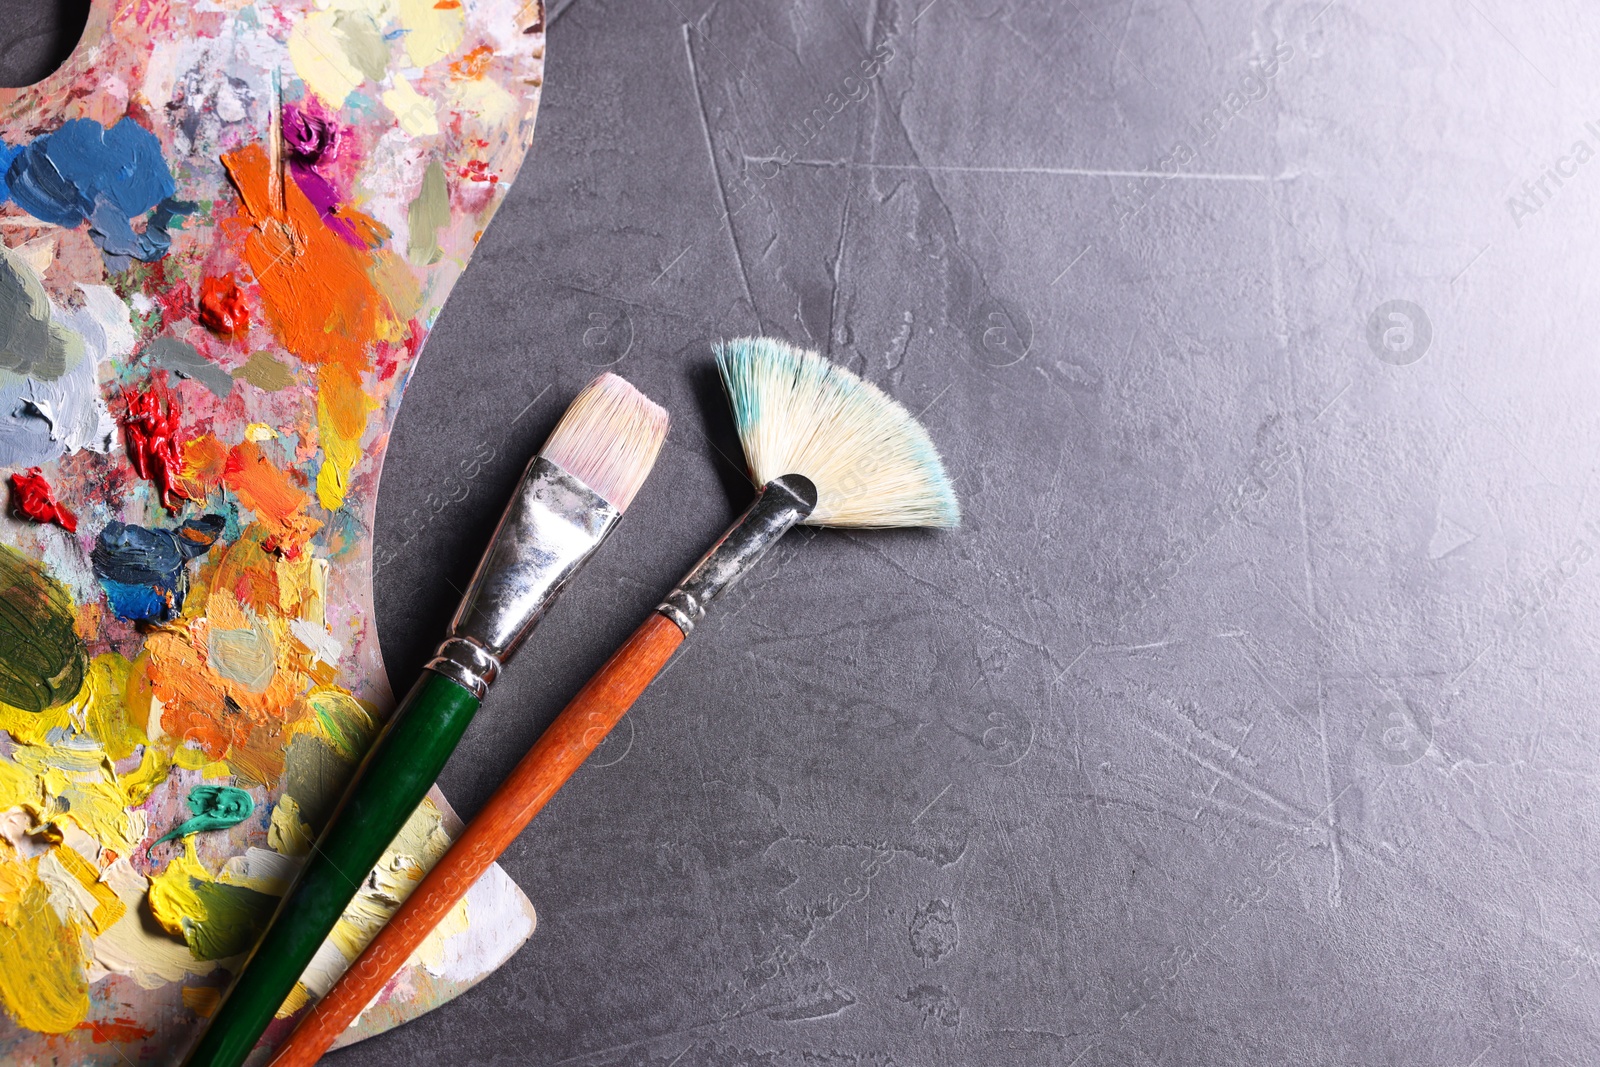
point(608, 439)
point(871, 461)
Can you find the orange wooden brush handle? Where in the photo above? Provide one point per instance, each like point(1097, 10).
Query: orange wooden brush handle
point(580, 727)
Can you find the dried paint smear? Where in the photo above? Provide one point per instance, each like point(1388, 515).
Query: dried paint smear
point(225, 231)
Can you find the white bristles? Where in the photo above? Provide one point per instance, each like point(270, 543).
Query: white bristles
point(608, 439)
point(871, 461)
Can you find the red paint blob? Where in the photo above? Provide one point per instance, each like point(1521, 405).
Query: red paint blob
point(150, 428)
point(32, 498)
point(477, 170)
point(222, 306)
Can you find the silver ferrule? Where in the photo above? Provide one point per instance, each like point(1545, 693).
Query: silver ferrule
point(550, 528)
point(780, 504)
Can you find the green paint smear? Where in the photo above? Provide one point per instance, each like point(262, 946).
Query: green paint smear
point(42, 659)
point(428, 213)
point(215, 807)
point(349, 726)
point(315, 775)
point(265, 372)
point(363, 44)
point(235, 919)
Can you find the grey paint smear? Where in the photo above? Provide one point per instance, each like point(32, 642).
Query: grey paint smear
point(42, 420)
point(31, 342)
point(182, 358)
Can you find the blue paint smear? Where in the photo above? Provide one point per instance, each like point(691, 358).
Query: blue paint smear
point(143, 571)
point(84, 172)
point(7, 154)
point(136, 602)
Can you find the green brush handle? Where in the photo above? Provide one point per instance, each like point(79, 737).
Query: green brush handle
point(388, 786)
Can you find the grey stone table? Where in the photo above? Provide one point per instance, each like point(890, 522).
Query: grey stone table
point(1249, 720)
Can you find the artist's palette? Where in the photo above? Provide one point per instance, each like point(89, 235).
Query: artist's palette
point(227, 228)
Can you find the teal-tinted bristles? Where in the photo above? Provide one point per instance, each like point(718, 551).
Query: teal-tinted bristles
point(872, 463)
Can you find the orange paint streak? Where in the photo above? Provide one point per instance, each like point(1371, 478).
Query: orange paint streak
point(473, 65)
point(261, 756)
point(261, 487)
point(203, 460)
point(192, 698)
point(321, 301)
point(250, 575)
point(317, 294)
point(229, 720)
point(268, 570)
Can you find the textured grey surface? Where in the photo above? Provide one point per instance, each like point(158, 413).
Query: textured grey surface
point(1248, 720)
point(37, 37)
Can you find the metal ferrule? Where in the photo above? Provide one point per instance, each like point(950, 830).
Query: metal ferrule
point(780, 504)
point(552, 525)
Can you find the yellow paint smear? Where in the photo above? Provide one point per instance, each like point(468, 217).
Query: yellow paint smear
point(413, 852)
point(431, 952)
point(288, 833)
point(489, 104)
point(433, 30)
point(105, 707)
point(195, 759)
point(42, 979)
point(172, 893)
point(412, 110)
point(190, 759)
point(108, 909)
point(72, 778)
point(342, 407)
point(317, 50)
point(130, 948)
point(298, 998)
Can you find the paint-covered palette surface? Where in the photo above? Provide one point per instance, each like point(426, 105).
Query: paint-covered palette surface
point(227, 229)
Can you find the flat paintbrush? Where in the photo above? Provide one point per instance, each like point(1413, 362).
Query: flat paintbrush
point(569, 499)
point(827, 450)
